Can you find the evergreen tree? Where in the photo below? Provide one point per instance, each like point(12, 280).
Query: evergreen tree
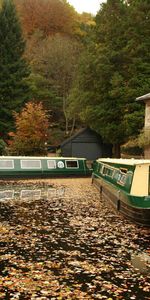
point(13, 68)
point(114, 71)
point(137, 75)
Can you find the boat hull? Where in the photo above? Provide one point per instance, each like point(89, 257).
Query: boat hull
point(121, 202)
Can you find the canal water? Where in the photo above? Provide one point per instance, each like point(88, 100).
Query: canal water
point(59, 240)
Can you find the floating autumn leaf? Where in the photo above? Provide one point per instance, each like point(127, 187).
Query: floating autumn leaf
point(65, 247)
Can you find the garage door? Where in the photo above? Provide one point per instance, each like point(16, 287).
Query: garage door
point(91, 151)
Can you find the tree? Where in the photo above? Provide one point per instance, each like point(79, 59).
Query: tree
point(138, 62)
point(55, 60)
point(48, 16)
point(31, 133)
point(55, 35)
point(13, 68)
point(99, 69)
point(109, 76)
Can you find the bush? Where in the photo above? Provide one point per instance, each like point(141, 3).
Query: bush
point(3, 147)
point(144, 138)
point(132, 148)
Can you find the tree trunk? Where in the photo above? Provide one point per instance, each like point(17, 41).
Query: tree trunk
point(66, 116)
point(116, 151)
point(73, 125)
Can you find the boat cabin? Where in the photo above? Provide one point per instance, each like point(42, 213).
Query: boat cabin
point(125, 183)
point(128, 174)
point(42, 166)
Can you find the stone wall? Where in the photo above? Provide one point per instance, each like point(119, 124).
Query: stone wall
point(147, 152)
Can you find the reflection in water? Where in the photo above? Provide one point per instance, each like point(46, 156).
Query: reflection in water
point(55, 192)
point(30, 194)
point(7, 194)
point(141, 262)
point(37, 194)
point(67, 247)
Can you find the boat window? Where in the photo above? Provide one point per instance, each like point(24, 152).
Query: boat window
point(110, 172)
point(6, 164)
point(72, 164)
point(107, 171)
point(51, 164)
point(102, 169)
point(122, 178)
point(123, 170)
point(31, 164)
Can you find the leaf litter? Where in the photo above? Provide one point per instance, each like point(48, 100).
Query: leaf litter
point(69, 245)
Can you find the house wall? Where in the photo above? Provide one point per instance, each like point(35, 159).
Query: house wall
point(147, 127)
point(147, 152)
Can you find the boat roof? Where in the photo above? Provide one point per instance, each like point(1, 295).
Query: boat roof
point(41, 157)
point(123, 161)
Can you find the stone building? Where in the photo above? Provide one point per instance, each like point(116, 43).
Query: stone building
point(146, 100)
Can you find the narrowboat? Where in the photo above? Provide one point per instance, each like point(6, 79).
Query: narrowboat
point(125, 183)
point(18, 167)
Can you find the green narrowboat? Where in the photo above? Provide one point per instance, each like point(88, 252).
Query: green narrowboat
point(125, 183)
point(21, 167)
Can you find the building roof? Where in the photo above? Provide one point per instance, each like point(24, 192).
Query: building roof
point(144, 97)
point(77, 134)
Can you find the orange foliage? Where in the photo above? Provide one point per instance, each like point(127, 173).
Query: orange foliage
point(48, 16)
point(32, 122)
point(31, 130)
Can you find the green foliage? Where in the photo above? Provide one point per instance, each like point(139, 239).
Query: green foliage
point(56, 135)
point(54, 63)
point(144, 138)
point(3, 147)
point(41, 90)
point(132, 148)
point(31, 135)
point(114, 70)
point(55, 59)
point(13, 68)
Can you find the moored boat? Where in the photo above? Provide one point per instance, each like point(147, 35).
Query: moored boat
point(18, 167)
point(125, 183)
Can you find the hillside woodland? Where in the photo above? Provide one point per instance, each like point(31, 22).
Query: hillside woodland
point(77, 69)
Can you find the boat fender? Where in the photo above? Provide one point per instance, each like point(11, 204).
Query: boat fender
point(118, 204)
point(118, 201)
point(101, 189)
point(92, 178)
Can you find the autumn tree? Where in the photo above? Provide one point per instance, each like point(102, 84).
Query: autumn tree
point(31, 133)
point(48, 16)
point(14, 71)
point(56, 34)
